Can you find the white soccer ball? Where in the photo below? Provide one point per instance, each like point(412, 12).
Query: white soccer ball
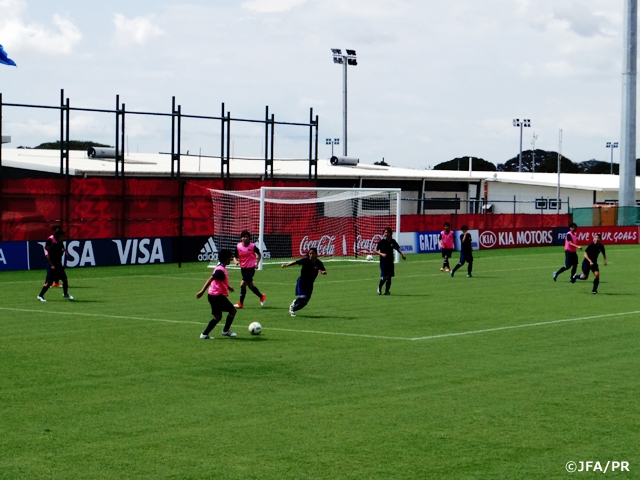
point(255, 328)
point(369, 258)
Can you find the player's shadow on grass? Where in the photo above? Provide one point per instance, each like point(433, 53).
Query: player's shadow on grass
point(408, 295)
point(616, 294)
point(302, 317)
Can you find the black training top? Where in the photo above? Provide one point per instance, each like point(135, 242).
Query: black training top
point(387, 247)
point(309, 271)
point(466, 246)
point(593, 250)
point(56, 250)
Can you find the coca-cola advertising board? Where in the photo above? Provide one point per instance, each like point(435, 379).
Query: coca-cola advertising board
point(340, 244)
point(610, 235)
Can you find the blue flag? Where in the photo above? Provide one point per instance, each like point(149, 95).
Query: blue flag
point(5, 59)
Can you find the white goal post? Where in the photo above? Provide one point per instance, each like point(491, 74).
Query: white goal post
point(342, 223)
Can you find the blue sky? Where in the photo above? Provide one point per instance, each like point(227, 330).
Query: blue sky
point(435, 80)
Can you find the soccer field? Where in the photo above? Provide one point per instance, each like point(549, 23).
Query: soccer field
point(506, 375)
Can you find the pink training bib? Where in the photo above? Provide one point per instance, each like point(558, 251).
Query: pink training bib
point(220, 287)
point(247, 255)
point(447, 239)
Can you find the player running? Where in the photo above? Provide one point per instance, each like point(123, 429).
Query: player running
point(570, 255)
point(248, 257)
point(590, 262)
point(311, 267)
point(385, 249)
point(56, 271)
point(466, 252)
point(219, 288)
point(446, 240)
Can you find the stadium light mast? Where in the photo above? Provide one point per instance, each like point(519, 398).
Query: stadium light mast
point(335, 141)
point(533, 153)
point(524, 123)
point(612, 145)
point(348, 59)
point(627, 195)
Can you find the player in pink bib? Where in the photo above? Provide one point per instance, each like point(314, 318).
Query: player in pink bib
point(218, 288)
point(446, 240)
point(248, 257)
point(570, 255)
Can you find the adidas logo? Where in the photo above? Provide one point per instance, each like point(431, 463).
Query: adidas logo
point(209, 252)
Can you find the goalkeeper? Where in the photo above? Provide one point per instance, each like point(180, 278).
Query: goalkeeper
point(311, 267)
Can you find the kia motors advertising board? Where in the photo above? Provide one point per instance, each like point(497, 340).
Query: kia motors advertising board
point(515, 237)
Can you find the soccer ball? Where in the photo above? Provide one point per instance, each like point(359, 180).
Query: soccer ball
point(369, 258)
point(255, 328)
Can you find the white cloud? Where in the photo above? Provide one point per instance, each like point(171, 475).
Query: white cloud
point(17, 34)
point(272, 6)
point(582, 21)
point(135, 30)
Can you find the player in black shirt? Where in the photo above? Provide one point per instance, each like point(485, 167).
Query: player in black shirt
point(311, 267)
point(590, 262)
point(466, 252)
point(56, 273)
point(385, 249)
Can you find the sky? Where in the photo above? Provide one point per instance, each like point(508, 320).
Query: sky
point(435, 80)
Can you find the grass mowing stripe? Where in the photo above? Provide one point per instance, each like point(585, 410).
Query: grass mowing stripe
point(538, 324)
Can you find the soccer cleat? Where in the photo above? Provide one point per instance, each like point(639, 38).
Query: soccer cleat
point(447, 269)
point(442, 269)
point(238, 305)
point(379, 292)
point(451, 274)
point(229, 334)
point(573, 279)
point(291, 311)
point(555, 276)
point(41, 298)
point(387, 293)
point(263, 299)
point(594, 292)
point(469, 276)
point(68, 297)
point(56, 285)
point(205, 337)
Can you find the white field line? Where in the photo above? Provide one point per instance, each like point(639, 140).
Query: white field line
point(319, 332)
point(538, 324)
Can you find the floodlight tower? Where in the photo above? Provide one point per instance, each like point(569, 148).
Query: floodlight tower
point(348, 59)
point(335, 141)
point(612, 145)
point(524, 123)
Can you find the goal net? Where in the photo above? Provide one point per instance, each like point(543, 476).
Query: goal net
point(343, 224)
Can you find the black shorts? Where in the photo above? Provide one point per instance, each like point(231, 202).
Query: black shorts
point(304, 289)
point(447, 252)
point(247, 274)
point(387, 269)
point(466, 257)
point(570, 259)
point(56, 274)
point(586, 267)
point(219, 304)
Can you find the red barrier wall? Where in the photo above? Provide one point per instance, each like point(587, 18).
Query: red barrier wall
point(146, 207)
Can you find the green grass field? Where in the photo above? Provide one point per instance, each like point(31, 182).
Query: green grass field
point(506, 375)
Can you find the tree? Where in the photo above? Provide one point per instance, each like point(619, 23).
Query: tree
point(462, 163)
point(73, 145)
point(545, 162)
